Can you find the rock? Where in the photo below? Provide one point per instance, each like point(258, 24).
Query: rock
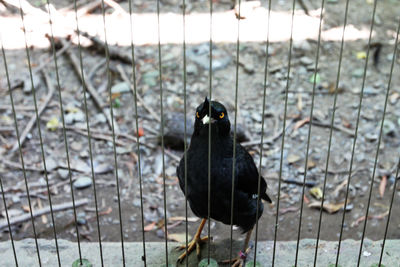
point(51, 164)
point(63, 173)
point(358, 73)
point(371, 136)
point(121, 88)
point(81, 218)
point(76, 146)
point(306, 61)
point(389, 128)
point(369, 90)
point(302, 45)
point(82, 182)
point(73, 117)
point(150, 78)
point(200, 55)
point(256, 116)
point(28, 83)
point(192, 69)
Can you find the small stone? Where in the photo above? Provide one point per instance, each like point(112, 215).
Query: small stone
point(84, 154)
point(28, 84)
point(51, 164)
point(302, 45)
point(358, 73)
point(292, 158)
point(306, 61)
point(389, 128)
point(191, 69)
point(367, 254)
point(369, 90)
point(16, 199)
point(136, 202)
point(256, 116)
point(76, 146)
point(371, 137)
point(63, 173)
point(81, 218)
point(123, 87)
point(83, 182)
point(101, 118)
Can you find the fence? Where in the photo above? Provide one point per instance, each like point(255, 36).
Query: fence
point(116, 133)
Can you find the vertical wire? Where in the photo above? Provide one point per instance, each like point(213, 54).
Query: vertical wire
point(355, 134)
point(209, 138)
point(375, 164)
point(65, 132)
point(234, 133)
point(283, 131)
point(309, 131)
point(398, 164)
point(66, 141)
point(113, 131)
point(137, 135)
point(262, 131)
point(89, 135)
point(8, 222)
point(390, 213)
point(185, 129)
point(20, 150)
point(330, 132)
point(162, 133)
point(40, 135)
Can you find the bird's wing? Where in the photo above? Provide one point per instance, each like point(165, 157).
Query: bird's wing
point(247, 174)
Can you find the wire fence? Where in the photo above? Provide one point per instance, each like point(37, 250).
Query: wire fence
point(133, 83)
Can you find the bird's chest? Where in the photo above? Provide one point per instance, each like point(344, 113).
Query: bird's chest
point(216, 166)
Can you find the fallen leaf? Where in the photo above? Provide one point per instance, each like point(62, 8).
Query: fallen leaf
point(149, 227)
point(140, 132)
point(181, 237)
point(328, 207)
point(53, 124)
point(306, 200)
point(299, 102)
point(316, 192)
point(315, 78)
point(382, 186)
point(301, 123)
point(361, 55)
point(311, 164)
point(292, 158)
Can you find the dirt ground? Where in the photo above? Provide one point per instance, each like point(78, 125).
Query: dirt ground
point(252, 59)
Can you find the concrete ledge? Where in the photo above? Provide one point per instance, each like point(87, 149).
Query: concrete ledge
point(155, 252)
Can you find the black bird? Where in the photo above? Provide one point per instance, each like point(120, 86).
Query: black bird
point(246, 177)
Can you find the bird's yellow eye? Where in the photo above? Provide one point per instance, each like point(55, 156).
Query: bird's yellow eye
point(197, 115)
point(221, 115)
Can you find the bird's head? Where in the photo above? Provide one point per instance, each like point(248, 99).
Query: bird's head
point(218, 119)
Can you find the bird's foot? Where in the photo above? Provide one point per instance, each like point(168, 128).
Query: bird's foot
point(240, 260)
point(195, 243)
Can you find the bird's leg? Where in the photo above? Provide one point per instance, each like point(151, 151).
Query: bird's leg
point(195, 243)
point(241, 258)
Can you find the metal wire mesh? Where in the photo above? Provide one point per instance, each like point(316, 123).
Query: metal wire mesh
point(133, 84)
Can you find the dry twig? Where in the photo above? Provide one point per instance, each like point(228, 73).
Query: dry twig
point(33, 119)
point(46, 210)
point(89, 86)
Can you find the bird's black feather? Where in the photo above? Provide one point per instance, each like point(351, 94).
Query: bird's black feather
point(246, 173)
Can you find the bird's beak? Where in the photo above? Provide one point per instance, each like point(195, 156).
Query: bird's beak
point(206, 119)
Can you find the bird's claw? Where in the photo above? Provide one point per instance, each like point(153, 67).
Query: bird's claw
point(240, 260)
point(196, 242)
